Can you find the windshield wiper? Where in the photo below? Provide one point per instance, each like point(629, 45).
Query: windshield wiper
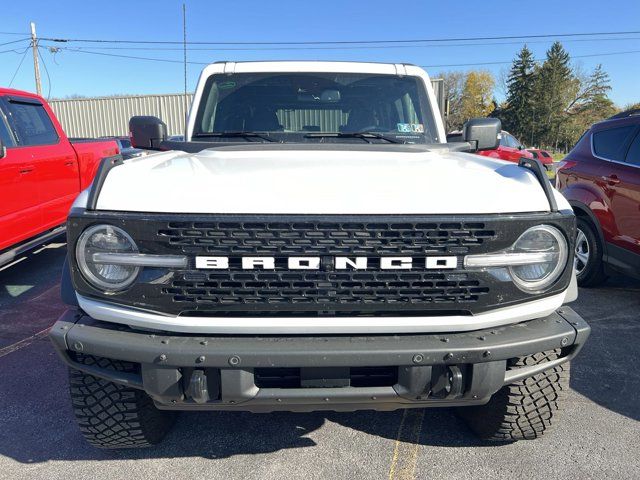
point(231, 134)
point(363, 135)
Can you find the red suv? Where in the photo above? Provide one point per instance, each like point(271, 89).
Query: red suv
point(509, 149)
point(601, 179)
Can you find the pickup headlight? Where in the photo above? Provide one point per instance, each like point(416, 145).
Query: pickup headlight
point(534, 262)
point(91, 248)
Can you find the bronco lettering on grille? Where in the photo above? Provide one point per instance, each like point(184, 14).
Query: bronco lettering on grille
point(332, 263)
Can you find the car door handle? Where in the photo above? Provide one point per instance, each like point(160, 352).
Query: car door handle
point(26, 169)
point(611, 179)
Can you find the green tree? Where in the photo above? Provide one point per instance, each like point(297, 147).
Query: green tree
point(517, 115)
point(590, 105)
point(554, 88)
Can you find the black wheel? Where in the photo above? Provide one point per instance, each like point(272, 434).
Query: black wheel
point(524, 410)
point(114, 416)
point(588, 255)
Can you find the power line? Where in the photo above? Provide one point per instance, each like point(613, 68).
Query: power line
point(372, 47)
point(14, 41)
point(346, 42)
point(13, 51)
point(606, 54)
point(133, 57)
point(19, 65)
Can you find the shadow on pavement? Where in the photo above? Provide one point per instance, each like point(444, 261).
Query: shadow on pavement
point(30, 293)
point(607, 370)
point(31, 273)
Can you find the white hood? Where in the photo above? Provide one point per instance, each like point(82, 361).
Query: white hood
point(322, 182)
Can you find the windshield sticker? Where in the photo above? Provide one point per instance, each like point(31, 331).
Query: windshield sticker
point(411, 127)
point(226, 85)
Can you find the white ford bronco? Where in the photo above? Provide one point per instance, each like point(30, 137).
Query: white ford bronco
point(315, 244)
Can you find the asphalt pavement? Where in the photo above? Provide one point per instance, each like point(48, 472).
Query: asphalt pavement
point(598, 437)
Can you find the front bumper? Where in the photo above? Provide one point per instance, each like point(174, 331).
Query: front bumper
point(192, 372)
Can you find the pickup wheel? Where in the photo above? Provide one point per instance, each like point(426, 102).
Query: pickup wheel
point(115, 416)
point(588, 255)
point(524, 410)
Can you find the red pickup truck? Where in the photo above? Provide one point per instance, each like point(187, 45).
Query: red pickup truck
point(41, 172)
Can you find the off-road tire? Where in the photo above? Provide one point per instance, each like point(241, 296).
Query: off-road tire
point(115, 416)
point(593, 274)
point(524, 410)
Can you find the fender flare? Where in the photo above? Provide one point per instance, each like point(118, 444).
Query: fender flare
point(67, 292)
point(586, 211)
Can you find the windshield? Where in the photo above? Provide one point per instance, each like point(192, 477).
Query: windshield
point(301, 107)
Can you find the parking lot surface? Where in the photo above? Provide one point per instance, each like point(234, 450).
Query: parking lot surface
point(598, 436)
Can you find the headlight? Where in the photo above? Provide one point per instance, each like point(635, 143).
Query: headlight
point(551, 245)
point(91, 247)
point(535, 261)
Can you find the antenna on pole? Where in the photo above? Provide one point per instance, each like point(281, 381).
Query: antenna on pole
point(36, 65)
point(184, 44)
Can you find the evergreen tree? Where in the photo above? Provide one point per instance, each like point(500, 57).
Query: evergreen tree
point(555, 87)
point(518, 113)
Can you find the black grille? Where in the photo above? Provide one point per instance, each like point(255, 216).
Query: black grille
point(326, 290)
point(325, 238)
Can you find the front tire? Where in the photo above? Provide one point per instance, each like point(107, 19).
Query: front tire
point(524, 410)
point(115, 416)
point(588, 255)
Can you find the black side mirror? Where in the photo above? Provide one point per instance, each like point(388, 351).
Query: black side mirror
point(3, 150)
point(484, 133)
point(147, 132)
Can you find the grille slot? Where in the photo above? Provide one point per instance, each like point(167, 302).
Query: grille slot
point(326, 290)
point(356, 377)
point(324, 238)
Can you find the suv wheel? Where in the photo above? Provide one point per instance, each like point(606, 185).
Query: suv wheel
point(588, 255)
point(524, 410)
point(115, 416)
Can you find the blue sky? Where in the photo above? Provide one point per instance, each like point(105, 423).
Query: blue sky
point(89, 74)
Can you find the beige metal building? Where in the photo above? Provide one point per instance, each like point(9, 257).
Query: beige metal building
point(106, 116)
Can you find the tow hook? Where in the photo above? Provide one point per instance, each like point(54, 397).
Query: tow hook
point(449, 384)
point(455, 382)
point(198, 389)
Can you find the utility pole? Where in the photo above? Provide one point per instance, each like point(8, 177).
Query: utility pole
point(36, 65)
point(184, 44)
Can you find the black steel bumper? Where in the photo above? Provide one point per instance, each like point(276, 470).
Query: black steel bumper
point(317, 373)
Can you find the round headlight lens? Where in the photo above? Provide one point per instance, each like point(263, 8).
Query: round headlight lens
point(543, 239)
point(106, 239)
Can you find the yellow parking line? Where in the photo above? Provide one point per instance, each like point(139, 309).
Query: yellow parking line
point(23, 343)
point(405, 451)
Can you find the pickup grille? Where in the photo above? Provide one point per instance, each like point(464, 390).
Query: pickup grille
point(325, 238)
point(323, 291)
point(326, 291)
